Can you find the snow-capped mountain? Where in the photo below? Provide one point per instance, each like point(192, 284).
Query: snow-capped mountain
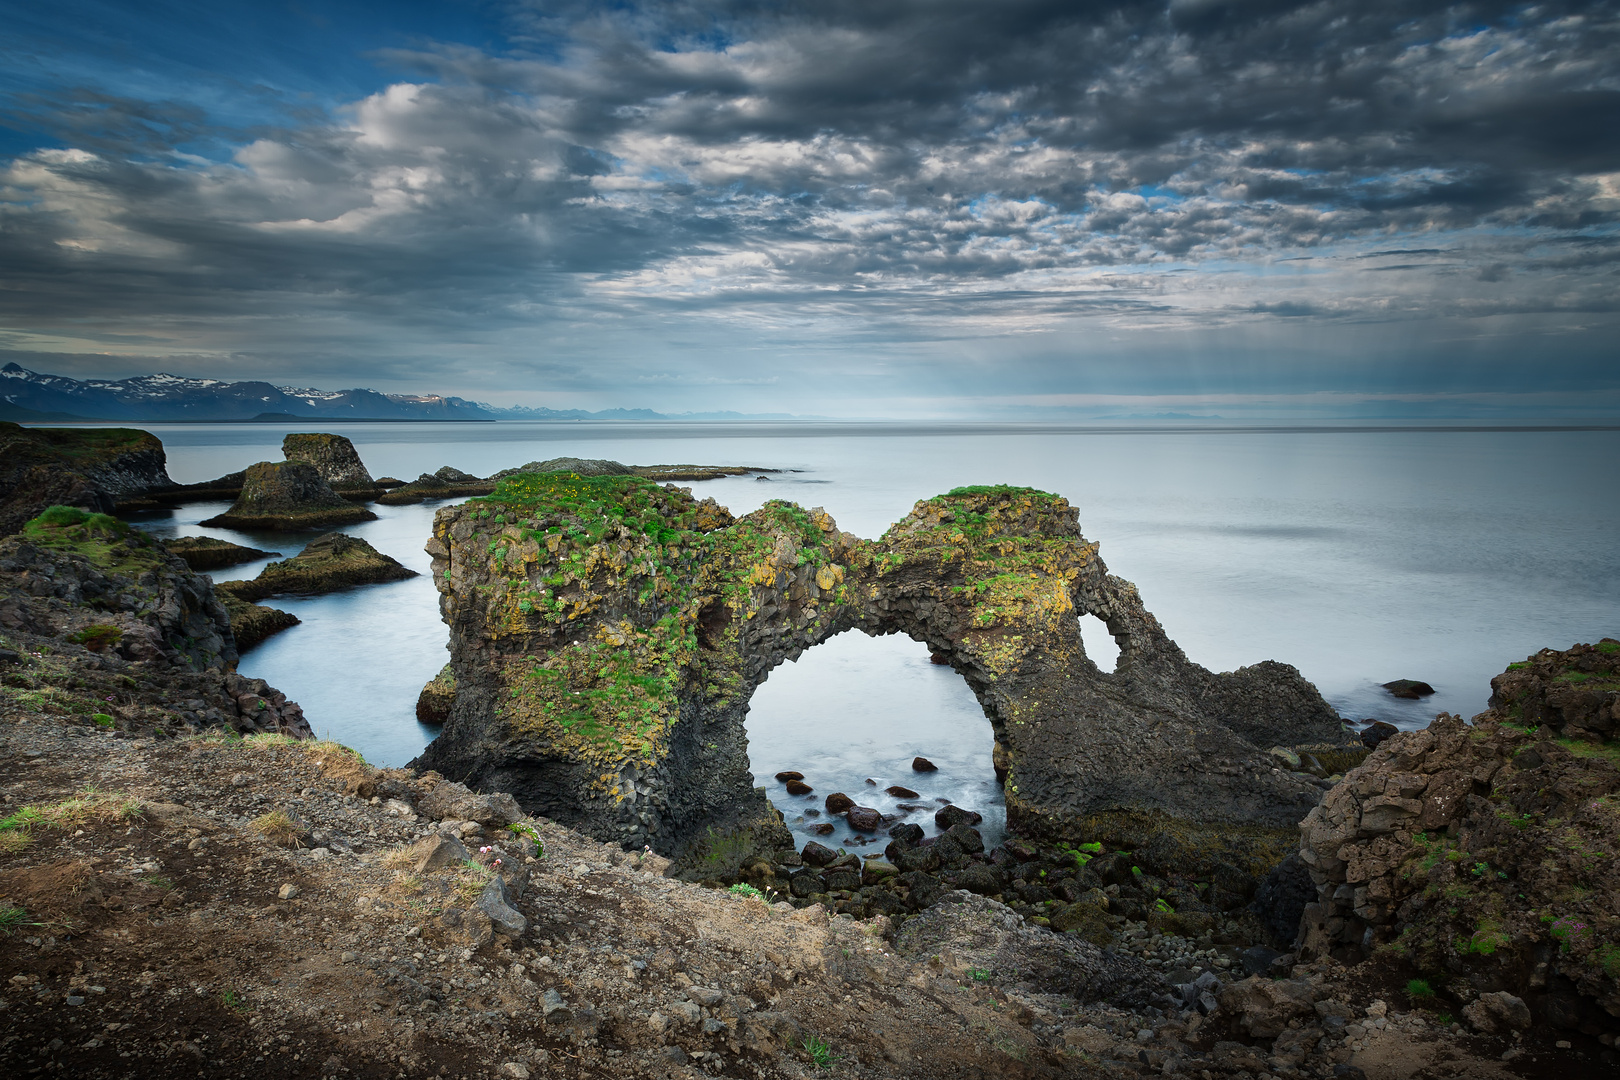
point(173, 397)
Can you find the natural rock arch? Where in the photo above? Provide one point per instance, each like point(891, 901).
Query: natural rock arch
point(607, 634)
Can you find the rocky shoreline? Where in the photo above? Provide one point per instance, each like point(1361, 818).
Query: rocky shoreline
point(190, 883)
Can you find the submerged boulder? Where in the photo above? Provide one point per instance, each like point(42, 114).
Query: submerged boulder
point(328, 563)
point(334, 457)
point(286, 495)
point(606, 634)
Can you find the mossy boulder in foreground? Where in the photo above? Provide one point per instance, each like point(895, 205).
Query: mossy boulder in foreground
point(287, 495)
point(606, 634)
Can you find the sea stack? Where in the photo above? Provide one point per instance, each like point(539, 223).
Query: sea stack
point(334, 457)
point(285, 495)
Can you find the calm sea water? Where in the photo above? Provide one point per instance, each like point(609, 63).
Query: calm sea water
point(1358, 556)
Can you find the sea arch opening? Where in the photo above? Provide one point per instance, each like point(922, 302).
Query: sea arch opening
point(851, 714)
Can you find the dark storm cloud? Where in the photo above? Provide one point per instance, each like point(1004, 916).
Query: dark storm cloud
point(914, 169)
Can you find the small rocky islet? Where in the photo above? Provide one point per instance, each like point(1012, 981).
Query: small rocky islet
point(1286, 898)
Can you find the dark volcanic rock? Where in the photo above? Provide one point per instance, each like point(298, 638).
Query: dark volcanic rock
point(816, 854)
point(949, 815)
point(864, 818)
point(334, 457)
point(1410, 689)
point(922, 764)
point(789, 774)
point(211, 553)
point(907, 833)
point(434, 702)
point(838, 802)
point(136, 640)
point(251, 623)
point(1377, 733)
point(798, 787)
point(607, 634)
point(90, 468)
point(288, 495)
point(329, 563)
point(1502, 818)
point(900, 792)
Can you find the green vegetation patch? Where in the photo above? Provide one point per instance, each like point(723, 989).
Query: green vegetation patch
point(109, 544)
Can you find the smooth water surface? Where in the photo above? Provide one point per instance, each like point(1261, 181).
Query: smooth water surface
point(1358, 556)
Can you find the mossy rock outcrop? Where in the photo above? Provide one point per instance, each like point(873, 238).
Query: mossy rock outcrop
point(288, 495)
point(212, 553)
point(90, 468)
point(329, 563)
point(434, 702)
point(606, 634)
point(335, 458)
point(1482, 854)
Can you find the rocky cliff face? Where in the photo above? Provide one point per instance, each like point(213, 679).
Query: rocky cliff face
point(1484, 854)
point(607, 633)
point(98, 620)
point(288, 495)
point(334, 457)
point(91, 468)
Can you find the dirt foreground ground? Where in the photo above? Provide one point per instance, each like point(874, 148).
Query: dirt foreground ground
point(226, 907)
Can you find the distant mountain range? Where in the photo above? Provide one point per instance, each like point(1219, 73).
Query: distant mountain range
point(29, 396)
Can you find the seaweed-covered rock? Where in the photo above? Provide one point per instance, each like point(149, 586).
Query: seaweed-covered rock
point(1484, 851)
point(285, 495)
point(434, 702)
point(90, 468)
point(334, 457)
point(329, 563)
point(212, 553)
point(606, 634)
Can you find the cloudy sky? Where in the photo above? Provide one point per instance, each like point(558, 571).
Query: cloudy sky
point(847, 207)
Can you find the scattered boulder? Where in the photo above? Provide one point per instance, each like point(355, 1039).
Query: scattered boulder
point(1261, 1007)
point(1498, 1013)
point(949, 815)
point(798, 787)
point(864, 818)
point(789, 774)
point(288, 495)
point(1410, 689)
point(451, 475)
point(838, 802)
point(211, 553)
point(1377, 733)
point(922, 764)
point(815, 854)
point(900, 792)
point(907, 833)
